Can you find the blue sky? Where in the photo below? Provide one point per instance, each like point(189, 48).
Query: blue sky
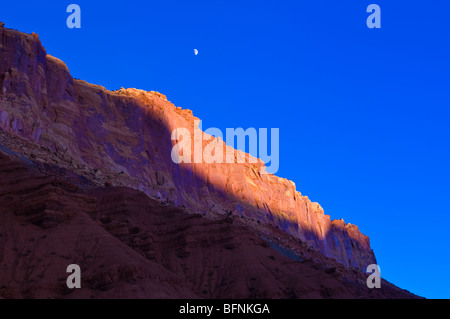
point(363, 113)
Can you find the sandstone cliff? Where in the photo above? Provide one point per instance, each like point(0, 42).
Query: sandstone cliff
point(123, 139)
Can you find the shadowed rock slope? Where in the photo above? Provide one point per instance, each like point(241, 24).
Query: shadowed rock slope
point(131, 246)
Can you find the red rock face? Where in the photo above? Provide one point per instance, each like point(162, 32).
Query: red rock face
point(131, 246)
point(123, 139)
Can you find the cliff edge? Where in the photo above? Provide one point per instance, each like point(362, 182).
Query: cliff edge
point(123, 139)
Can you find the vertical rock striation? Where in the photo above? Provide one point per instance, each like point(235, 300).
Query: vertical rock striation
point(123, 138)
